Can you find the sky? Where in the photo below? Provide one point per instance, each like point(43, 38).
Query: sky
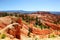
point(30, 5)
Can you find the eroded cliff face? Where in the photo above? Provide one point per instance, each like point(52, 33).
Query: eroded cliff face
point(37, 23)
